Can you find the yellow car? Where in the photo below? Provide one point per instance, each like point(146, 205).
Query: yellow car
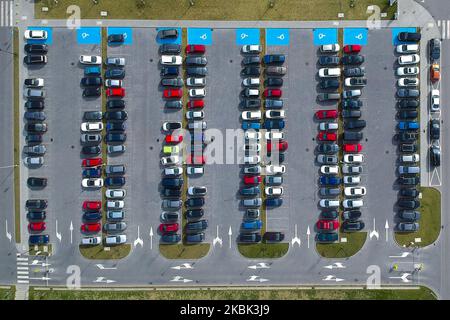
point(171, 150)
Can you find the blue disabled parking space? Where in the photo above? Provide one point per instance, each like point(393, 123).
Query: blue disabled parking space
point(163, 41)
point(277, 37)
point(127, 32)
point(49, 39)
point(247, 36)
point(396, 31)
point(89, 35)
point(354, 36)
point(325, 36)
point(199, 36)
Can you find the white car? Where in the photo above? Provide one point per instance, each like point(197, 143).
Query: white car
point(252, 160)
point(168, 125)
point(33, 161)
point(275, 114)
point(353, 158)
point(92, 183)
point(327, 126)
point(115, 204)
point(35, 34)
point(326, 203)
point(273, 191)
point(331, 48)
point(329, 169)
point(115, 193)
point(274, 135)
point(251, 82)
point(407, 48)
point(90, 59)
point(273, 169)
point(349, 169)
point(408, 59)
point(91, 126)
point(251, 115)
point(407, 71)
point(118, 239)
point(165, 161)
point(435, 102)
point(91, 240)
point(252, 135)
point(34, 82)
point(173, 171)
point(195, 170)
point(350, 203)
point(197, 93)
point(408, 82)
point(113, 83)
point(410, 158)
point(251, 93)
point(252, 48)
point(171, 60)
point(355, 191)
point(195, 115)
point(329, 72)
point(196, 82)
point(352, 179)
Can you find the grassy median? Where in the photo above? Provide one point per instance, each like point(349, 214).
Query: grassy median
point(355, 241)
point(7, 293)
point(266, 10)
point(263, 250)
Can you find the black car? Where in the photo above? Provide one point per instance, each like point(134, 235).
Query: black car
point(116, 38)
point(250, 60)
point(327, 148)
point(352, 136)
point(194, 214)
point(273, 82)
point(351, 215)
point(409, 181)
point(172, 183)
point(36, 127)
point(93, 115)
point(92, 216)
point(350, 226)
point(92, 92)
point(172, 82)
point(195, 202)
point(435, 129)
point(329, 215)
point(329, 84)
point(169, 216)
point(408, 104)
point(115, 126)
point(171, 192)
point(435, 156)
point(197, 71)
point(115, 181)
point(91, 150)
point(251, 214)
point(34, 104)
point(355, 124)
point(168, 34)
point(116, 115)
point(329, 61)
point(173, 104)
point(409, 192)
point(435, 49)
point(34, 115)
point(352, 59)
point(194, 227)
point(115, 137)
point(407, 136)
point(35, 59)
point(251, 104)
point(170, 238)
point(249, 237)
point(409, 36)
point(408, 147)
point(33, 138)
point(170, 71)
point(115, 73)
point(408, 93)
point(36, 204)
point(115, 104)
point(351, 113)
point(408, 204)
point(169, 48)
point(274, 236)
point(33, 182)
point(354, 72)
point(407, 114)
point(36, 48)
point(409, 215)
point(36, 215)
point(91, 81)
point(351, 104)
point(251, 71)
point(196, 61)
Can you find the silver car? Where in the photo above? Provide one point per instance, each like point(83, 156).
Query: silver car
point(118, 239)
point(171, 204)
point(116, 148)
point(34, 94)
point(110, 61)
point(115, 226)
point(252, 202)
point(34, 161)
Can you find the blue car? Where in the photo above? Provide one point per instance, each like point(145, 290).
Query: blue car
point(273, 124)
point(115, 181)
point(39, 239)
point(408, 125)
point(252, 225)
point(92, 71)
point(330, 180)
point(92, 216)
point(251, 191)
point(250, 125)
point(274, 202)
point(274, 58)
point(92, 173)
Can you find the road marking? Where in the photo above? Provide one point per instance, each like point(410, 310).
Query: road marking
point(374, 232)
point(183, 266)
point(151, 238)
point(58, 234)
point(138, 240)
point(403, 277)
point(332, 278)
point(103, 280)
point(101, 267)
point(444, 26)
point(217, 239)
point(71, 232)
point(403, 255)
point(180, 279)
point(256, 279)
point(386, 227)
point(336, 265)
point(296, 239)
point(230, 233)
point(260, 265)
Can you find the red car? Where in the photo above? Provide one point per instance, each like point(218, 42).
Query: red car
point(195, 160)
point(172, 93)
point(195, 48)
point(92, 205)
point(94, 162)
point(91, 227)
point(326, 114)
point(327, 225)
point(195, 104)
point(352, 48)
point(272, 93)
point(352, 147)
point(326, 136)
point(252, 179)
point(280, 146)
point(168, 227)
point(36, 226)
point(115, 92)
point(171, 138)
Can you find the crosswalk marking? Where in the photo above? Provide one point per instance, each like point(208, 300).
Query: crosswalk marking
point(6, 13)
point(444, 26)
point(23, 273)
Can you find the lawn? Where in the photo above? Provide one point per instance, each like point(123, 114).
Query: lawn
point(430, 221)
point(7, 293)
point(182, 251)
point(266, 10)
point(98, 252)
point(355, 241)
point(234, 294)
point(40, 250)
point(263, 250)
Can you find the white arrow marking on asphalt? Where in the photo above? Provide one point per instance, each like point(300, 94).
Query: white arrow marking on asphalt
point(34, 262)
point(58, 235)
point(42, 278)
point(260, 265)
point(403, 255)
point(103, 279)
point(151, 238)
point(217, 239)
point(183, 266)
point(138, 240)
point(257, 279)
point(8, 235)
point(386, 226)
point(230, 233)
point(374, 233)
point(102, 267)
point(71, 232)
point(404, 277)
point(295, 239)
point(308, 233)
point(337, 265)
point(180, 279)
point(332, 278)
